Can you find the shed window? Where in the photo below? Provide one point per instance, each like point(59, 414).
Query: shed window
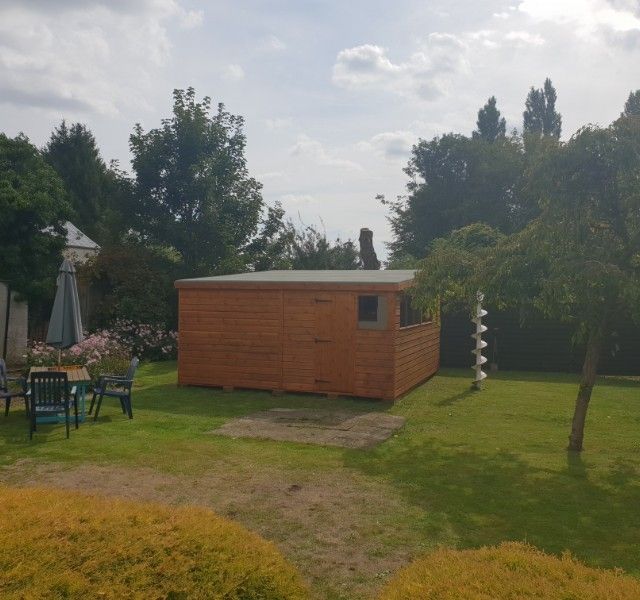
point(408, 314)
point(367, 308)
point(372, 312)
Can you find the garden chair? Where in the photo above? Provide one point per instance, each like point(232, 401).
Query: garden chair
point(49, 395)
point(115, 386)
point(8, 395)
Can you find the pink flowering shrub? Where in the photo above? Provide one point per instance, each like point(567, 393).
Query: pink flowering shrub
point(100, 352)
point(109, 350)
point(145, 341)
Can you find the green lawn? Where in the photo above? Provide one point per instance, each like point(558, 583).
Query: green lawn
point(468, 469)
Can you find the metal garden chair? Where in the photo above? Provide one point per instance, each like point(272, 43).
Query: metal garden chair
point(8, 395)
point(115, 386)
point(49, 396)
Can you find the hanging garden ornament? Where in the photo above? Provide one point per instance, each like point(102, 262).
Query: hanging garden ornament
point(480, 343)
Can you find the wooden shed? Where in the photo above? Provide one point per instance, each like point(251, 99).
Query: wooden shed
point(334, 332)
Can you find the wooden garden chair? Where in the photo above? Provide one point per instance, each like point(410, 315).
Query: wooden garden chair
point(115, 386)
point(8, 395)
point(49, 395)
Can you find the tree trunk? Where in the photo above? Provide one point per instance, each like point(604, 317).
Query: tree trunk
point(368, 258)
point(587, 381)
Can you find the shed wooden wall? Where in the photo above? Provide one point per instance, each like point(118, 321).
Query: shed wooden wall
point(265, 339)
point(230, 336)
point(375, 356)
point(417, 356)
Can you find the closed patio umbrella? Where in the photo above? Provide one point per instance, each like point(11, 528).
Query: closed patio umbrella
point(65, 325)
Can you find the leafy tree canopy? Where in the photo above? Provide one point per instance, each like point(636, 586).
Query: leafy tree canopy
point(271, 249)
point(33, 209)
point(193, 190)
point(312, 250)
point(490, 125)
point(455, 181)
point(134, 282)
point(578, 261)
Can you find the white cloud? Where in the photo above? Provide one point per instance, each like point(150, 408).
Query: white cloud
point(524, 38)
point(278, 123)
point(190, 19)
point(270, 176)
point(313, 150)
point(424, 74)
point(392, 145)
point(587, 15)
point(233, 73)
point(68, 59)
point(293, 201)
point(275, 43)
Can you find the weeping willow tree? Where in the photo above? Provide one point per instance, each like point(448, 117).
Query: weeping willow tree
point(577, 262)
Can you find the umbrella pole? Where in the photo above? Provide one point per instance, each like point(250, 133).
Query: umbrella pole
point(59, 356)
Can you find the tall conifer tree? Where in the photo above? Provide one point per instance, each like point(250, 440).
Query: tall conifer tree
point(540, 117)
point(490, 125)
point(632, 105)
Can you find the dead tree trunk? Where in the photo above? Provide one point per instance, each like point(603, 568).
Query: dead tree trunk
point(587, 381)
point(368, 257)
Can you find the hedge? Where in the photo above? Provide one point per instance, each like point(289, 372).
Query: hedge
point(509, 571)
point(66, 545)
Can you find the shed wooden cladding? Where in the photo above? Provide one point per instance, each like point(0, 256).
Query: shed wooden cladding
point(301, 331)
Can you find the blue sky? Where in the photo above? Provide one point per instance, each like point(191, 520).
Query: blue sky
point(333, 93)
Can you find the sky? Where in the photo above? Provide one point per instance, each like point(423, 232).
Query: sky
point(334, 93)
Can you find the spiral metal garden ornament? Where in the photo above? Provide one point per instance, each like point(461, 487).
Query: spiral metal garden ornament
point(480, 343)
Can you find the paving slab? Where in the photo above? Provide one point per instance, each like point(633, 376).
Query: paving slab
point(315, 426)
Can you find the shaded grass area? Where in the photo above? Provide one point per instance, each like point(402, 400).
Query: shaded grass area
point(471, 468)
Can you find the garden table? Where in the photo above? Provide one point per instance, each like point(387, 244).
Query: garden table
point(77, 376)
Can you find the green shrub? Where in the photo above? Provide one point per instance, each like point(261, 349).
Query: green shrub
point(66, 545)
point(510, 571)
point(134, 282)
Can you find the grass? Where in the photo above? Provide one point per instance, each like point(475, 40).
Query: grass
point(469, 469)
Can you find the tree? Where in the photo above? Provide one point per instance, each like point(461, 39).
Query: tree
point(312, 250)
point(455, 181)
point(540, 117)
point(632, 105)
point(577, 262)
point(491, 126)
point(33, 210)
point(271, 249)
point(192, 188)
point(97, 193)
point(134, 282)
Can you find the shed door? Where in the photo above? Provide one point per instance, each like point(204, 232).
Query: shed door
point(334, 342)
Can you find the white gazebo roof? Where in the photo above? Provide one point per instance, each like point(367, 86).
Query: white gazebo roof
point(77, 239)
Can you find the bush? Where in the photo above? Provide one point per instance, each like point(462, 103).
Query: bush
point(101, 352)
point(509, 571)
point(133, 281)
point(65, 545)
point(143, 340)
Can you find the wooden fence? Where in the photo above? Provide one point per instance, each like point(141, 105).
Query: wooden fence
point(535, 346)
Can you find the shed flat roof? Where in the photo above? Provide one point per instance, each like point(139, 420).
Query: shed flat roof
point(344, 277)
